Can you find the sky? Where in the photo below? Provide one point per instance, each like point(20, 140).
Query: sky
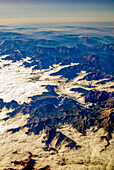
point(56, 11)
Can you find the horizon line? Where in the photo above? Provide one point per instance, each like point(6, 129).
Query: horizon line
point(54, 20)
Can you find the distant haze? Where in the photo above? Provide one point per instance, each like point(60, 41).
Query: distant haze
point(13, 11)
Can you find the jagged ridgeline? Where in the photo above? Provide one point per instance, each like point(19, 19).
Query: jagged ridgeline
point(56, 98)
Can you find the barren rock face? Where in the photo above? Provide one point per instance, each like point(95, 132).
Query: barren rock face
point(56, 100)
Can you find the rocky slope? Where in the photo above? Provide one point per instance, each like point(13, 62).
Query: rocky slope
point(56, 101)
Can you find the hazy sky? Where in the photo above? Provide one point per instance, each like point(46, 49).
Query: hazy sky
point(56, 10)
